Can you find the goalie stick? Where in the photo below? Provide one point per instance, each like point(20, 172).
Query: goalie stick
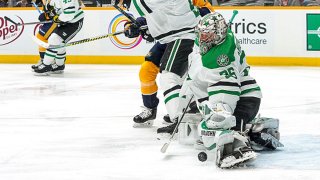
point(166, 145)
point(235, 12)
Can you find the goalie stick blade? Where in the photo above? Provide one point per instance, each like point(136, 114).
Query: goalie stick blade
point(164, 147)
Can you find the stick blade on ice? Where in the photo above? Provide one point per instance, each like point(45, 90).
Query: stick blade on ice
point(164, 147)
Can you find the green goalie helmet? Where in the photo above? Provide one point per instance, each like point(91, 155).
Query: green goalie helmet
point(211, 31)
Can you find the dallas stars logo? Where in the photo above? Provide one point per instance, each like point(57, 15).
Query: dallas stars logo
point(223, 60)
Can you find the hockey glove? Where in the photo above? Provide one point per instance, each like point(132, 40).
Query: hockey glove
point(43, 17)
point(146, 35)
point(49, 11)
point(131, 30)
point(144, 31)
point(57, 20)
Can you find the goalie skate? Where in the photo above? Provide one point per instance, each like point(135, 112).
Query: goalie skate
point(237, 158)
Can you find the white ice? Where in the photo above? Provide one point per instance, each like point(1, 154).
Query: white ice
point(78, 126)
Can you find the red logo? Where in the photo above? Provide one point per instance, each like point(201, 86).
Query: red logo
point(9, 31)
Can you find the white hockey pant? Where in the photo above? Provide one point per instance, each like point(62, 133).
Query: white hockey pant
point(55, 55)
point(171, 86)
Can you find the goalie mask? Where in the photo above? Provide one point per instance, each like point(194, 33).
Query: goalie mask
point(211, 31)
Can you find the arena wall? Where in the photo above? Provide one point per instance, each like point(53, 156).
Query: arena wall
point(271, 36)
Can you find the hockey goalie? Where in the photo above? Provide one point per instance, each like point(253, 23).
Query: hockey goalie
point(228, 99)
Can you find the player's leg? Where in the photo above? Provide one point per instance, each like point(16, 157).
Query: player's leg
point(43, 34)
point(174, 64)
point(61, 34)
point(246, 110)
point(59, 65)
point(148, 73)
point(67, 32)
point(263, 132)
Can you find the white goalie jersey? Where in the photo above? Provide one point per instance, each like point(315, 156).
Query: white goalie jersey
point(224, 82)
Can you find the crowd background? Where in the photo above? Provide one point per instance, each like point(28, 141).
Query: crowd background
point(104, 3)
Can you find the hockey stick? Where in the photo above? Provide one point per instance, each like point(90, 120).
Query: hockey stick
point(10, 20)
point(166, 145)
point(31, 23)
point(126, 14)
point(48, 46)
point(235, 12)
point(35, 5)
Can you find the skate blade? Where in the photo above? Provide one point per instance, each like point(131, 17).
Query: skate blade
point(248, 156)
point(57, 72)
point(166, 123)
point(42, 74)
point(146, 124)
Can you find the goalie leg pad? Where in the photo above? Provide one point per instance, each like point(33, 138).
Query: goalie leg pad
point(264, 133)
point(240, 153)
point(214, 141)
point(187, 130)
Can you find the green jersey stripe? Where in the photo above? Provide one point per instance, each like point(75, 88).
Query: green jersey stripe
point(173, 54)
point(236, 93)
point(138, 8)
point(69, 12)
point(250, 90)
point(171, 97)
point(81, 12)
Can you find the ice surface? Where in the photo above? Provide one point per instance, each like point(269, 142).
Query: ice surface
point(78, 126)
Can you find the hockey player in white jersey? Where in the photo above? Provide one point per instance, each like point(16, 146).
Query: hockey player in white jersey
point(150, 68)
point(69, 17)
point(172, 23)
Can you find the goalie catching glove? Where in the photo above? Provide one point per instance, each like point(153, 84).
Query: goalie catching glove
point(132, 30)
point(219, 116)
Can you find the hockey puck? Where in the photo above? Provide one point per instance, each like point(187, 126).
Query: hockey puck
point(202, 156)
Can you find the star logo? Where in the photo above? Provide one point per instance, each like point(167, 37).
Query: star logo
point(223, 60)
